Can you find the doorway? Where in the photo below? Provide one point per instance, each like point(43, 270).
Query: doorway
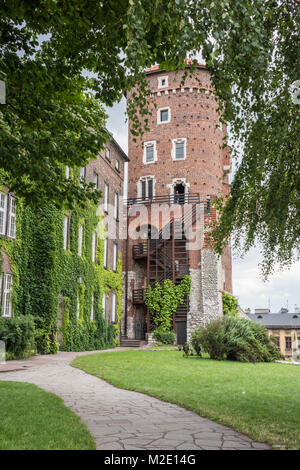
point(179, 193)
point(181, 332)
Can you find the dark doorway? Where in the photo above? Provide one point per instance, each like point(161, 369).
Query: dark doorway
point(181, 332)
point(179, 191)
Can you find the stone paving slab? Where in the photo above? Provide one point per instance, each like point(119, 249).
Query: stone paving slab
point(125, 420)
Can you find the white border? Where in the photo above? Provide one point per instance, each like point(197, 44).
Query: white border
point(166, 108)
point(173, 153)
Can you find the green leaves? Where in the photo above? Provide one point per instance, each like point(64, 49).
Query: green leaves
point(163, 300)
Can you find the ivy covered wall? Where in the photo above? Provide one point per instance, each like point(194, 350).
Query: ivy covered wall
point(45, 279)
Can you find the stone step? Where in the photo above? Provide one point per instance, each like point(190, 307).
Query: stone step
point(132, 343)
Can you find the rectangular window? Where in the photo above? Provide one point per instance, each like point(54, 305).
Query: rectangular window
point(93, 311)
point(143, 190)
point(164, 115)
point(106, 196)
point(95, 180)
point(114, 308)
point(288, 342)
point(67, 172)
point(150, 189)
point(115, 261)
point(105, 252)
point(66, 230)
point(118, 168)
point(149, 153)
point(94, 247)
point(179, 150)
point(82, 174)
point(12, 218)
point(104, 305)
point(80, 240)
point(107, 154)
point(3, 211)
point(6, 300)
point(116, 206)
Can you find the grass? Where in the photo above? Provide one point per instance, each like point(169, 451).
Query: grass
point(260, 400)
point(33, 419)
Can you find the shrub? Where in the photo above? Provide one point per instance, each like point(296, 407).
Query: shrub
point(18, 336)
point(164, 337)
point(236, 339)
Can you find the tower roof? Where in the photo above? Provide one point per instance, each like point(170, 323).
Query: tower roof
point(156, 69)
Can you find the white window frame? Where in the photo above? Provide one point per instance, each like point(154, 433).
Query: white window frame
point(82, 174)
point(114, 308)
point(116, 206)
point(6, 299)
point(78, 307)
point(118, 165)
point(93, 312)
point(160, 79)
point(67, 172)
point(105, 255)
point(104, 305)
point(139, 188)
point(65, 232)
point(173, 153)
point(12, 217)
point(150, 143)
point(106, 196)
point(96, 180)
point(3, 211)
point(107, 154)
point(80, 239)
point(94, 247)
point(115, 258)
point(166, 108)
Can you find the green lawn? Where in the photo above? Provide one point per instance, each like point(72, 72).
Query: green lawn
point(261, 400)
point(31, 418)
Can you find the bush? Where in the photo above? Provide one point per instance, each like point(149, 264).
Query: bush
point(236, 339)
point(164, 337)
point(230, 303)
point(18, 336)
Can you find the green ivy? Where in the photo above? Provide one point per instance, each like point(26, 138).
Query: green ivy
point(45, 279)
point(163, 300)
point(230, 304)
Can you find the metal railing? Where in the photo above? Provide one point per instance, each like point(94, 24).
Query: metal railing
point(187, 198)
point(138, 296)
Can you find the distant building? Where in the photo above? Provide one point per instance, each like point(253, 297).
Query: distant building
point(285, 327)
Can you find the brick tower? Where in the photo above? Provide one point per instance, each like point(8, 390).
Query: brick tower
point(179, 161)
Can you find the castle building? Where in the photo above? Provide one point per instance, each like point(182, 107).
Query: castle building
point(180, 163)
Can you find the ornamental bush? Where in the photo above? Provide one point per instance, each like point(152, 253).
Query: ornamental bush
point(164, 337)
point(18, 336)
point(236, 339)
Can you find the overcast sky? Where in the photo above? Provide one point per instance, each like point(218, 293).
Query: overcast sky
point(282, 289)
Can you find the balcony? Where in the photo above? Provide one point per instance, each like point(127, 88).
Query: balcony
point(188, 198)
point(138, 296)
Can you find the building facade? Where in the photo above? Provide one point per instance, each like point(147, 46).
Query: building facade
point(179, 165)
point(60, 267)
point(284, 327)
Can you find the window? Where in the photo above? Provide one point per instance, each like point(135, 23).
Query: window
point(116, 206)
point(94, 247)
point(149, 153)
point(107, 154)
point(93, 310)
point(67, 172)
point(82, 174)
point(162, 81)
point(163, 115)
point(288, 342)
point(114, 308)
point(105, 252)
point(78, 308)
point(104, 305)
point(106, 196)
point(80, 240)
point(277, 341)
point(66, 230)
point(179, 149)
point(12, 218)
point(146, 188)
point(95, 180)
point(6, 298)
point(3, 213)
point(118, 166)
point(115, 260)
point(8, 206)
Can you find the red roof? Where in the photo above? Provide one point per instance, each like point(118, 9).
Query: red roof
point(155, 68)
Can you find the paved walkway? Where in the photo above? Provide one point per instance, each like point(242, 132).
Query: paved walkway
point(121, 419)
